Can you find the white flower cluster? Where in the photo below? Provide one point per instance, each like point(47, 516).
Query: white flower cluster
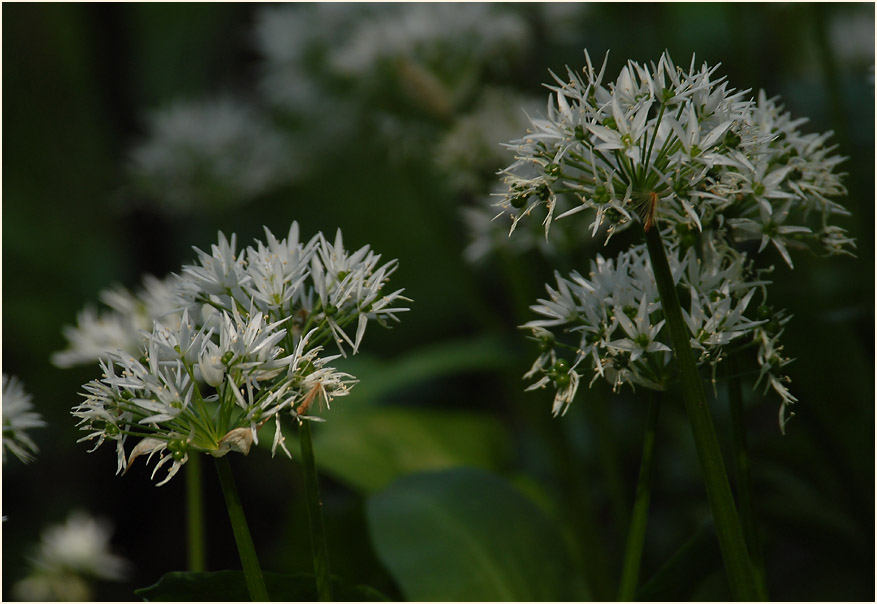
point(245, 343)
point(69, 555)
point(610, 325)
point(680, 152)
point(18, 416)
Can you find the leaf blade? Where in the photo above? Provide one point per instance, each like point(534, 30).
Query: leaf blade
point(467, 534)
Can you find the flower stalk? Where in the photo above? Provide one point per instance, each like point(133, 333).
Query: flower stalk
point(195, 515)
point(743, 479)
point(246, 549)
point(738, 566)
point(319, 544)
point(636, 535)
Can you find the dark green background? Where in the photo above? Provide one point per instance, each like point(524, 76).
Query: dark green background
point(78, 81)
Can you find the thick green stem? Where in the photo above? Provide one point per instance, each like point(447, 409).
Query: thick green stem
point(319, 545)
point(636, 536)
point(743, 478)
point(246, 549)
point(738, 567)
point(195, 514)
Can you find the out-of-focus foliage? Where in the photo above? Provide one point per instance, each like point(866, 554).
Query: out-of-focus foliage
point(84, 85)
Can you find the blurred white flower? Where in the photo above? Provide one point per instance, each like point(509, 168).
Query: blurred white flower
point(18, 416)
point(120, 326)
point(69, 557)
point(209, 154)
point(468, 152)
point(401, 71)
point(294, 40)
point(442, 36)
point(852, 34)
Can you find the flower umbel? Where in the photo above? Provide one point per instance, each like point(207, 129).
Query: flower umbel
point(609, 325)
point(681, 152)
point(676, 147)
point(248, 345)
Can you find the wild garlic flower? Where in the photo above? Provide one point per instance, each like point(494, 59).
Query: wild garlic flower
point(18, 416)
point(610, 324)
point(681, 150)
point(250, 345)
point(119, 326)
point(69, 556)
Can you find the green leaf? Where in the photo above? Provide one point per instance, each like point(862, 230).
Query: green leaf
point(367, 445)
point(468, 535)
point(380, 378)
point(230, 586)
point(370, 449)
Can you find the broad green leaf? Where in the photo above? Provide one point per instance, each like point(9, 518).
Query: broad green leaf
point(379, 378)
point(468, 535)
point(367, 445)
point(230, 586)
point(368, 450)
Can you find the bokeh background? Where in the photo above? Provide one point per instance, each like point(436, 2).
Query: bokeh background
point(132, 132)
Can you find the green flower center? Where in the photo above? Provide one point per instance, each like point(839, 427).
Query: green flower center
point(601, 195)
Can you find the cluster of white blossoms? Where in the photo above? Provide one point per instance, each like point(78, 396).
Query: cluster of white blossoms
point(681, 152)
point(68, 557)
point(611, 323)
point(18, 417)
point(243, 342)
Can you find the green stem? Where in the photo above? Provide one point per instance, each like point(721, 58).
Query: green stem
point(195, 514)
point(636, 536)
point(743, 478)
point(319, 545)
point(738, 567)
point(246, 549)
